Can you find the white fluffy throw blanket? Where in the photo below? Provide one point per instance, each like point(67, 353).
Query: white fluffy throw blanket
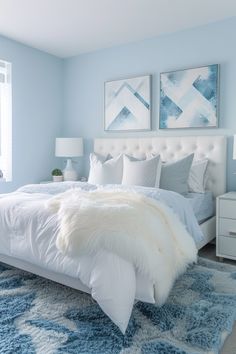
point(141, 230)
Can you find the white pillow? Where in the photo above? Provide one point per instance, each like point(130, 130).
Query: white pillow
point(158, 177)
point(140, 173)
point(104, 171)
point(197, 176)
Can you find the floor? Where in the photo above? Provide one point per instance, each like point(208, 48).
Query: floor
point(209, 251)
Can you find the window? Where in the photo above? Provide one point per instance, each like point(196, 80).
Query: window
point(5, 120)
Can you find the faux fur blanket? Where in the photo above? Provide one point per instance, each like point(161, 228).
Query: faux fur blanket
point(141, 230)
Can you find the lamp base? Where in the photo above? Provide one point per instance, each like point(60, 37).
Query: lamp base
point(69, 173)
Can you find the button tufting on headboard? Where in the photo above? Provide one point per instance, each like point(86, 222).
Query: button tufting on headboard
point(172, 148)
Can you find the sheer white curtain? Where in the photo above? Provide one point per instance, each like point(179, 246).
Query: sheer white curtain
point(6, 120)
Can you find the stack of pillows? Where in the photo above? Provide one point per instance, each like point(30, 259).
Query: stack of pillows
point(181, 176)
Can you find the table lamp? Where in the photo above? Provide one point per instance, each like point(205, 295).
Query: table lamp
point(69, 147)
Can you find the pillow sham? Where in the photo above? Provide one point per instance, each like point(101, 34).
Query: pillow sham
point(197, 176)
point(140, 172)
point(149, 156)
point(174, 175)
point(103, 171)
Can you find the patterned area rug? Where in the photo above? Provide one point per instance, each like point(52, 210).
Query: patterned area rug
point(39, 316)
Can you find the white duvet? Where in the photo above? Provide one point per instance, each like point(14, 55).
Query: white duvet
point(29, 231)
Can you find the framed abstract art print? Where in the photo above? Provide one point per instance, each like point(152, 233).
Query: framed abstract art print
point(189, 98)
point(128, 104)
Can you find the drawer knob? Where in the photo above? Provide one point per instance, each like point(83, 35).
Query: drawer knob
point(232, 233)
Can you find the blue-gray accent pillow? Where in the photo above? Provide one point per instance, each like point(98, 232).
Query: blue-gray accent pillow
point(174, 175)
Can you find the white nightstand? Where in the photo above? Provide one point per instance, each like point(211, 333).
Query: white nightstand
point(226, 226)
point(82, 179)
point(45, 182)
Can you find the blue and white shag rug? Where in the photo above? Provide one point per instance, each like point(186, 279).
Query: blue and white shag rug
point(40, 316)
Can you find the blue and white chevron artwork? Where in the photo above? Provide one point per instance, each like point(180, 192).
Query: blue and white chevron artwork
point(127, 104)
point(189, 98)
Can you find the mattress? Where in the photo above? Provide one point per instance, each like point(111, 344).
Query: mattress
point(203, 205)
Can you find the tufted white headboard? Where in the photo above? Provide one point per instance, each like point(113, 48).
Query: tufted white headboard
point(172, 148)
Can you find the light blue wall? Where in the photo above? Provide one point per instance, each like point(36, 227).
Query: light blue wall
point(85, 76)
point(37, 101)
point(52, 97)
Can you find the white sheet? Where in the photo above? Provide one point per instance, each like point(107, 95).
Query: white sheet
point(202, 204)
point(28, 232)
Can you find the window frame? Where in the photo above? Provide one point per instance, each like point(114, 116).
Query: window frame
point(6, 120)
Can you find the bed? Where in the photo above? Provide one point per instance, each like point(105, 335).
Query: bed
point(171, 148)
point(29, 256)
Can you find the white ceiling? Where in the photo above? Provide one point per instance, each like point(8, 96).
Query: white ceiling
point(70, 27)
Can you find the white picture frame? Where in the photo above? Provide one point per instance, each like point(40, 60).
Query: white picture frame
point(189, 98)
point(127, 104)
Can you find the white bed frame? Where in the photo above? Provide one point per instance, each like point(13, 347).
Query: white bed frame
point(170, 148)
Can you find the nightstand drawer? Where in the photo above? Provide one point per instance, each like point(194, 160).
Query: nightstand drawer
point(227, 208)
point(227, 246)
point(227, 227)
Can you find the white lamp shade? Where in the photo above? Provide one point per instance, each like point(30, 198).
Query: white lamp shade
point(69, 147)
point(234, 148)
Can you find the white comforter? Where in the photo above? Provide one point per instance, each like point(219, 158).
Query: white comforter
point(29, 231)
